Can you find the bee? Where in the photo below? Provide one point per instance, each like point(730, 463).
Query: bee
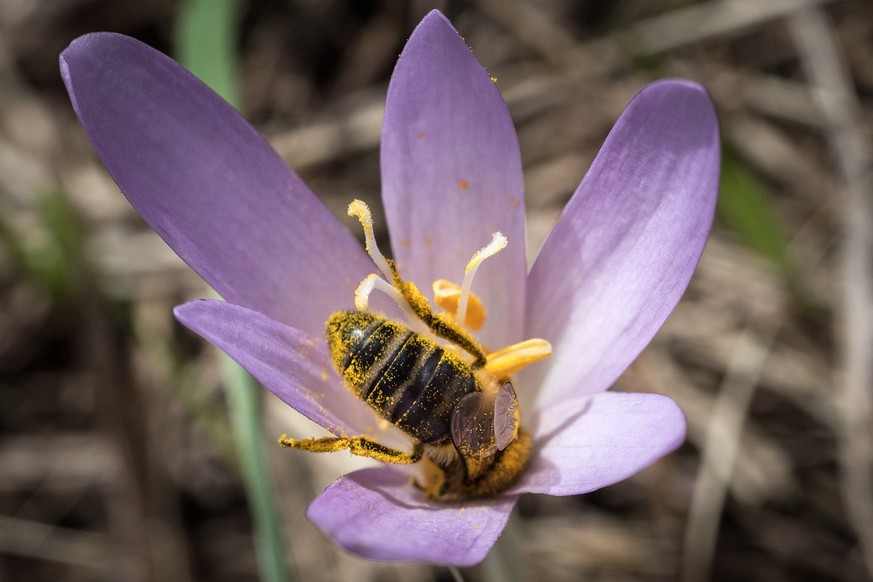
point(430, 393)
point(407, 378)
point(452, 398)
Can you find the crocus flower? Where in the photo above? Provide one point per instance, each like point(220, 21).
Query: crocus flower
point(615, 264)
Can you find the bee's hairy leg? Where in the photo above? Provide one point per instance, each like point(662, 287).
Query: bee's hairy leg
point(361, 446)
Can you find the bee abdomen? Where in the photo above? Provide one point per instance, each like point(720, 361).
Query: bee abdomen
point(408, 379)
point(363, 347)
point(429, 415)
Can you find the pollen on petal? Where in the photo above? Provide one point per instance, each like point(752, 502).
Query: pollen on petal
point(463, 184)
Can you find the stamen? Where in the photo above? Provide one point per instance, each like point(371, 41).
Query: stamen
point(497, 244)
point(440, 324)
point(447, 294)
point(360, 209)
point(516, 357)
point(374, 281)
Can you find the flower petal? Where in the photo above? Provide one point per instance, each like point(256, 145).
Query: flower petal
point(591, 442)
point(210, 185)
point(378, 514)
point(623, 251)
point(290, 363)
point(451, 174)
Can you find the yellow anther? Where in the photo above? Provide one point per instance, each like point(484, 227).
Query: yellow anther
point(516, 357)
point(447, 295)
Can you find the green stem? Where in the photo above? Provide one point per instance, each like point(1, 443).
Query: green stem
point(206, 37)
point(504, 562)
point(243, 399)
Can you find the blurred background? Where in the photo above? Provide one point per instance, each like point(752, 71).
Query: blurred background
point(121, 433)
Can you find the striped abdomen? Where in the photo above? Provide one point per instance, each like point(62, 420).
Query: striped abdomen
point(408, 379)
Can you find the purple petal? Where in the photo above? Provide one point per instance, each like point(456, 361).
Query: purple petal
point(451, 174)
point(623, 251)
point(595, 441)
point(290, 363)
point(379, 514)
point(210, 185)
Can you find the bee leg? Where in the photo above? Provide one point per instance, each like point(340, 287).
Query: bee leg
point(441, 481)
point(361, 446)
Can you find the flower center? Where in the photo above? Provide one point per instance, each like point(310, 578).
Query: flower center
point(432, 379)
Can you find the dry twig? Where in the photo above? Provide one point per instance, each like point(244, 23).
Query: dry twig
point(832, 86)
point(720, 452)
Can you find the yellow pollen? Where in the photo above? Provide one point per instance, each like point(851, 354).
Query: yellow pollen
point(483, 450)
point(440, 323)
point(361, 446)
point(507, 468)
point(447, 295)
point(516, 357)
point(359, 209)
point(463, 184)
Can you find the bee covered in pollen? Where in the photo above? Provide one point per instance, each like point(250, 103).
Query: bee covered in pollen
point(432, 379)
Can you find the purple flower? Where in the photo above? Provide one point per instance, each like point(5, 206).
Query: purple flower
point(613, 268)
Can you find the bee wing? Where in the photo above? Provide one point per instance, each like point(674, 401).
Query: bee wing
point(473, 425)
point(507, 416)
point(484, 423)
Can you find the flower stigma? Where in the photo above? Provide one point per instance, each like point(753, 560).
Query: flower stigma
point(430, 377)
point(497, 244)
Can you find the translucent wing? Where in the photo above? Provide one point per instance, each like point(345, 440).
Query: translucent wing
point(507, 416)
point(473, 425)
point(484, 423)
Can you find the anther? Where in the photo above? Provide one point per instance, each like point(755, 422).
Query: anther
point(447, 295)
point(516, 357)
